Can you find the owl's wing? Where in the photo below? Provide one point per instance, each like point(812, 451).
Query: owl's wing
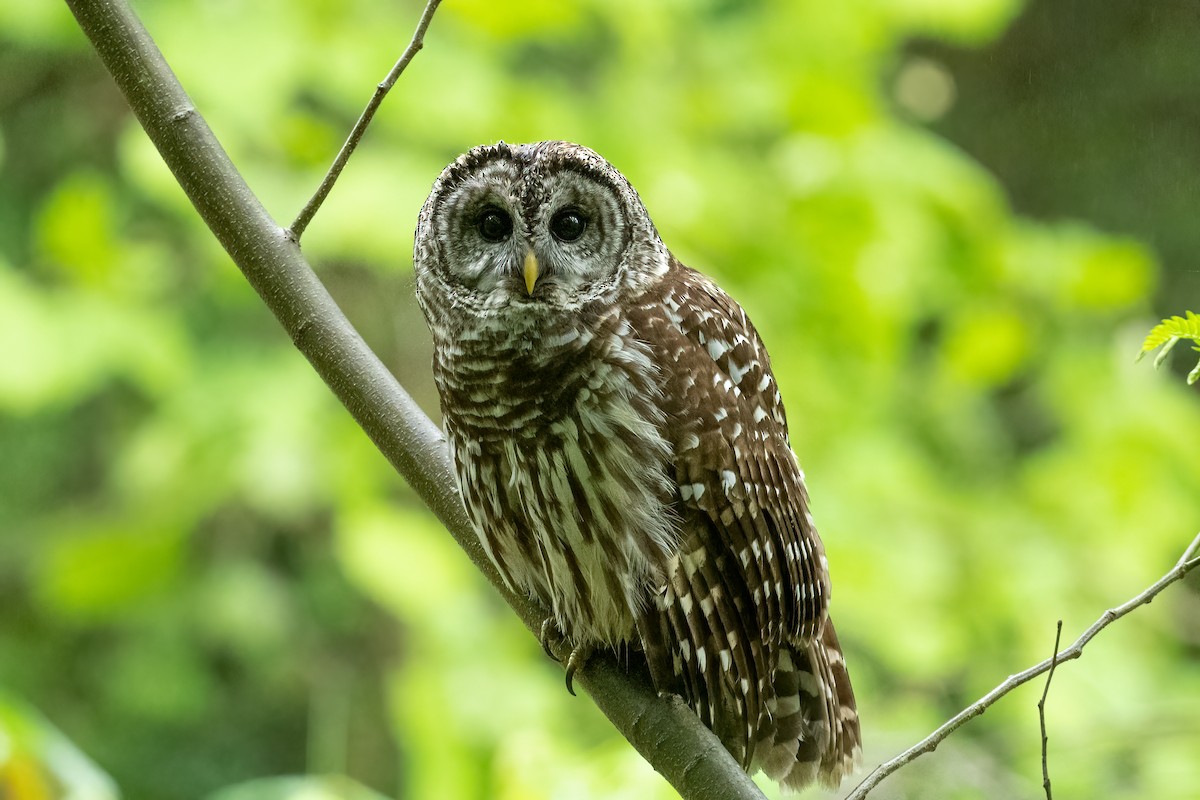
point(749, 581)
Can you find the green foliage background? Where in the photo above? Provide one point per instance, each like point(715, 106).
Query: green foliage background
point(208, 576)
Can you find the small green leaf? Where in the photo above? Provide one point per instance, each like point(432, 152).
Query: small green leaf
point(1166, 350)
point(1172, 328)
point(303, 787)
point(1167, 334)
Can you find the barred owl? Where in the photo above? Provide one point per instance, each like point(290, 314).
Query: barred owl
point(622, 450)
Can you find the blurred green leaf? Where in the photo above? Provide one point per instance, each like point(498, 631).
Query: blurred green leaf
point(77, 229)
point(38, 763)
point(65, 343)
point(331, 787)
point(96, 571)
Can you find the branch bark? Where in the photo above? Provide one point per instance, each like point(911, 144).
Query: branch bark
point(665, 732)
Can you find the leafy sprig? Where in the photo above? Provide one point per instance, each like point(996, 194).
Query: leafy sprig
point(1167, 334)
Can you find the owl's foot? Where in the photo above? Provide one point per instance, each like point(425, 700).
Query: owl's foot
point(551, 638)
point(575, 662)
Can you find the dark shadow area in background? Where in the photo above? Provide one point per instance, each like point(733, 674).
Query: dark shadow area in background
point(1091, 111)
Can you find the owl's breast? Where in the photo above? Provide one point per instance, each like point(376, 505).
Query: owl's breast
point(563, 467)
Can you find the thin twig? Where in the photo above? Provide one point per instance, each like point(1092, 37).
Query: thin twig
point(1042, 711)
point(335, 170)
point(1187, 562)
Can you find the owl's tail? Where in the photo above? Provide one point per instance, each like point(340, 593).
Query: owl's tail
point(816, 734)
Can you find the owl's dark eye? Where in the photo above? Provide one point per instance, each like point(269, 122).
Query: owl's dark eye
point(494, 224)
point(568, 225)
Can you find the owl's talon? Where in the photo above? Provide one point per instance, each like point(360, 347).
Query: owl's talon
point(550, 630)
point(575, 662)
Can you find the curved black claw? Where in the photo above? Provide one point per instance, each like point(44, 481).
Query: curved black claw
point(575, 662)
point(550, 630)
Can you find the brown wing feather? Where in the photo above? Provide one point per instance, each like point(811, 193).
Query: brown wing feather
point(750, 562)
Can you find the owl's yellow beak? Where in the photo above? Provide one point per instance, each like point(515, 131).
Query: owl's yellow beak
point(531, 271)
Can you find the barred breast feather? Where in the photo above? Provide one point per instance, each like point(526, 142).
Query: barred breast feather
point(557, 437)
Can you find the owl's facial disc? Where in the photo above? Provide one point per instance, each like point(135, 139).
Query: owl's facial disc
point(527, 225)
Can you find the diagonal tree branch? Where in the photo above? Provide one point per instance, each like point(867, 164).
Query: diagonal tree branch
point(1186, 563)
point(663, 730)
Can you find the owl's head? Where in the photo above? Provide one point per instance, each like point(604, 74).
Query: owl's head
point(543, 227)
